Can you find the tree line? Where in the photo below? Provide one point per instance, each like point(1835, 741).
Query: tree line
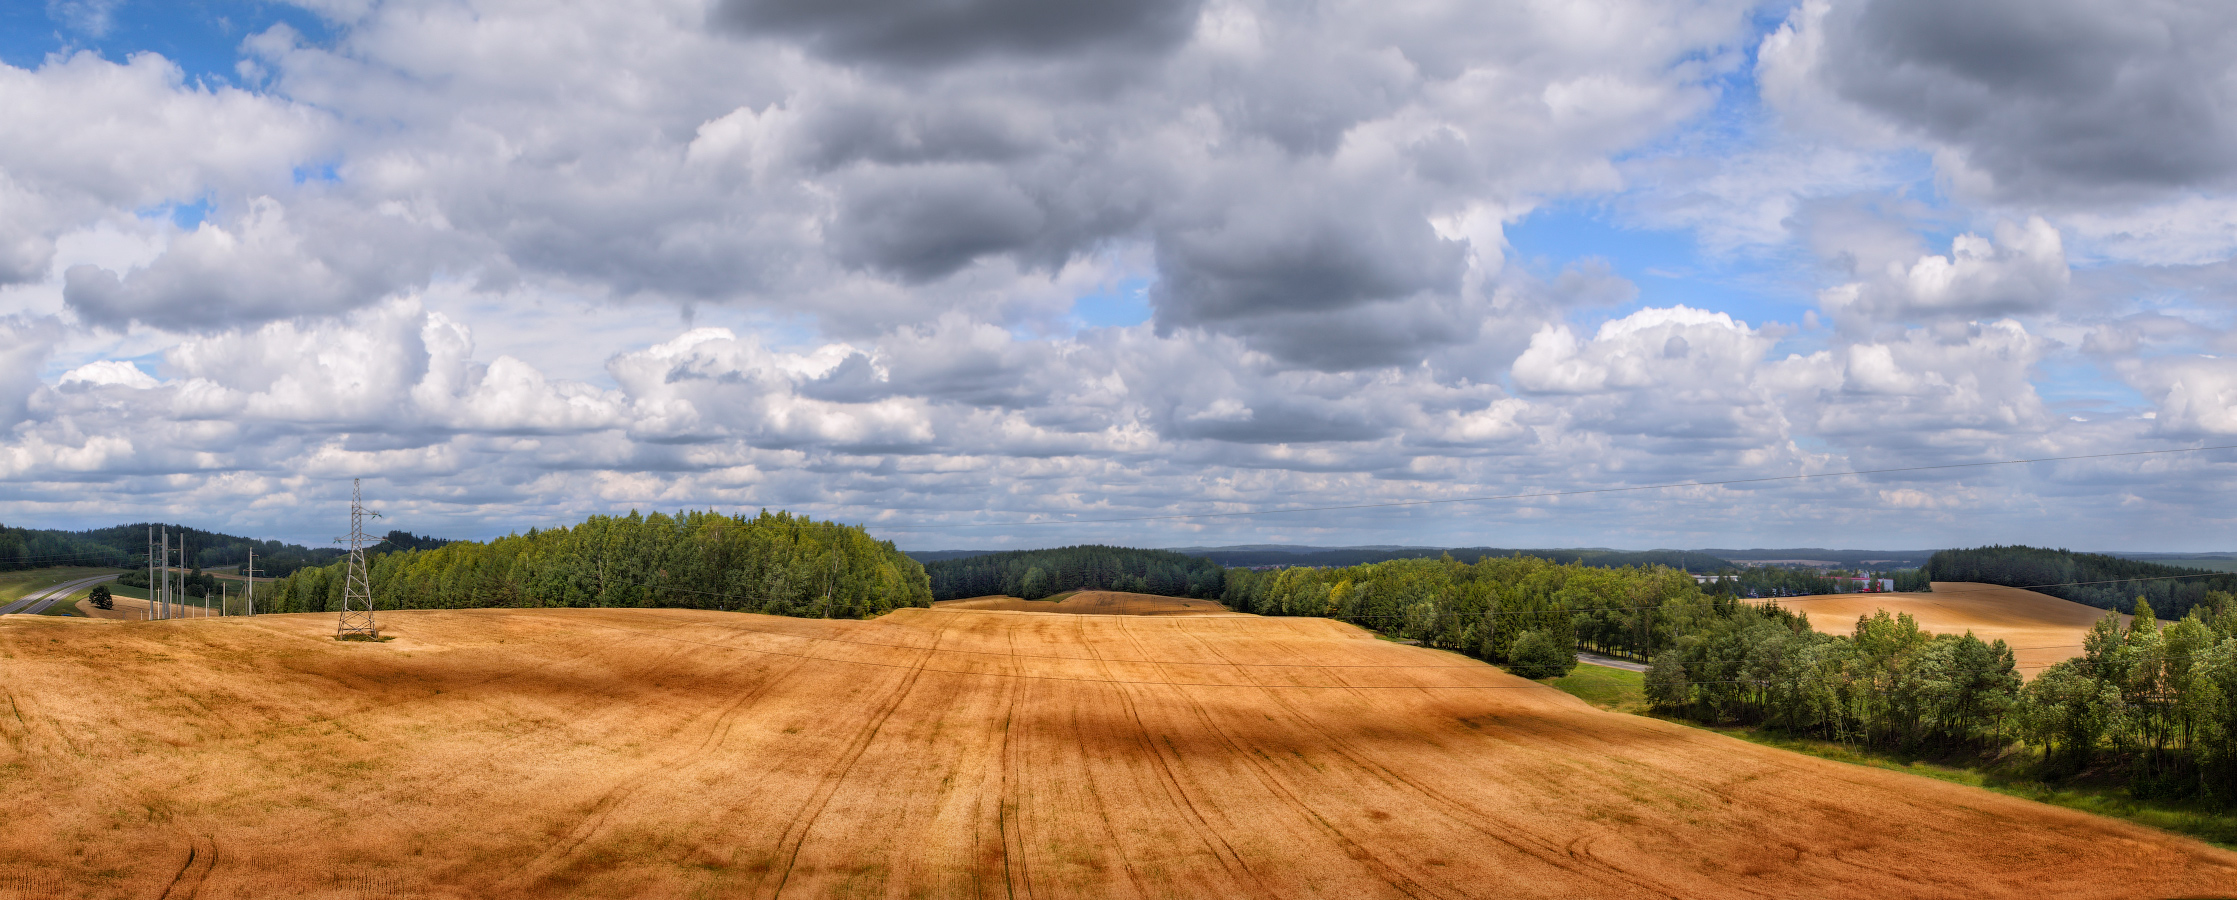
point(1501, 609)
point(37, 548)
point(1034, 574)
point(126, 547)
point(772, 563)
point(2105, 582)
point(2158, 701)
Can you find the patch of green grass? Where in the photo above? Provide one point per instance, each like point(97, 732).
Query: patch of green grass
point(2217, 827)
point(1619, 690)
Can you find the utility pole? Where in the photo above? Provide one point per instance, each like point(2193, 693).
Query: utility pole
point(357, 589)
point(164, 571)
point(251, 573)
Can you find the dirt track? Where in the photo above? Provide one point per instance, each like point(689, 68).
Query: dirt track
point(1097, 603)
point(2040, 628)
point(942, 753)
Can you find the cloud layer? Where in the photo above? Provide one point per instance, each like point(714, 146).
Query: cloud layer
point(520, 264)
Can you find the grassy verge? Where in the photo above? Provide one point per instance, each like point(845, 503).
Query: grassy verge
point(1619, 690)
point(1622, 691)
point(68, 606)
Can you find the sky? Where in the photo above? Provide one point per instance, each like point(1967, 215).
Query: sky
point(1017, 273)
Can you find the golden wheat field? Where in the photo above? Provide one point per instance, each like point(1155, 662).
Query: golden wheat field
point(938, 753)
point(2040, 628)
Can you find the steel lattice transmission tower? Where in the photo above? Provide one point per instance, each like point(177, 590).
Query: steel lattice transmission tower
point(357, 590)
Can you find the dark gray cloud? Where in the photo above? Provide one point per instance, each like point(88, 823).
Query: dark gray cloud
point(2052, 98)
point(928, 222)
point(909, 33)
point(1254, 260)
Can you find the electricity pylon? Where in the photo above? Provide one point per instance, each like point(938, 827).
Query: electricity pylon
point(357, 590)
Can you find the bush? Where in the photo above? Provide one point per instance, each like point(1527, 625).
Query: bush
point(101, 598)
point(1540, 654)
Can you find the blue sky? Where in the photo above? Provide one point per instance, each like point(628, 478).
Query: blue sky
point(517, 265)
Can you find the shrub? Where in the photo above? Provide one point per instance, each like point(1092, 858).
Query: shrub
point(1540, 654)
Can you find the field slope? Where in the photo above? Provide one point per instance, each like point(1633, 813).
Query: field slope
point(1097, 603)
point(2040, 628)
point(940, 753)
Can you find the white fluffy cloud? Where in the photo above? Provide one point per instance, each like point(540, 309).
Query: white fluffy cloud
point(2023, 269)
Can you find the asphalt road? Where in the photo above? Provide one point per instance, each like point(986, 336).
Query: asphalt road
point(1610, 662)
point(38, 601)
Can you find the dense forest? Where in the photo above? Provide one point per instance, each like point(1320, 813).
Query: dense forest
point(126, 546)
point(2117, 582)
point(773, 563)
point(1034, 574)
point(2159, 702)
point(31, 548)
point(1482, 608)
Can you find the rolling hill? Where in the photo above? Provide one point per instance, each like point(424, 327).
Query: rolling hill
point(617, 752)
point(2040, 628)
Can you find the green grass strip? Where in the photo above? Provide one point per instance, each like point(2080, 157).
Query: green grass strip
point(1621, 691)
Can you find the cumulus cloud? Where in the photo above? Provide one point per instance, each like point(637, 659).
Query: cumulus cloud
point(95, 137)
point(258, 268)
point(2192, 396)
point(109, 371)
point(2023, 269)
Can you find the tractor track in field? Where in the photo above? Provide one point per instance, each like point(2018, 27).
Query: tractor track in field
point(1484, 823)
point(796, 835)
point(1176, 792)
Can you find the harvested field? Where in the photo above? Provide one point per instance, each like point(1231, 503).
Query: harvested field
point(2040, 628)
point(940, 753)
point(1097, 603)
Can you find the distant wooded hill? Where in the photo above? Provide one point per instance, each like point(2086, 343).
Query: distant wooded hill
point(1356, 556)
point(1033, 574)
point(1873, 560)
point(1700, 562)
point(126, 546)
point(2055, 572)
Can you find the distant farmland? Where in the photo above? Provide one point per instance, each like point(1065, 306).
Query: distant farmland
point(945, 753)
point(2040, 628)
